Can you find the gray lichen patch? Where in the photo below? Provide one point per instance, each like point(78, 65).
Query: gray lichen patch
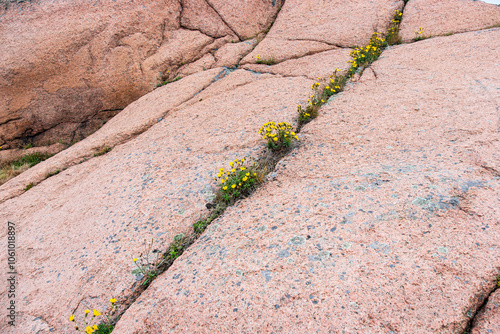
point(298, 240)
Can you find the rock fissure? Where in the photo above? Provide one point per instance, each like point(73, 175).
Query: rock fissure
point(192, 238)
point(481, 307)
point(223, 20)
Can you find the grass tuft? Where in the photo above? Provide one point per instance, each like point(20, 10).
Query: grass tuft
point(11, 169)
point(163, 83)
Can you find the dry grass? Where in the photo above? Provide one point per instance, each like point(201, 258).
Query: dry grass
point(11, 169)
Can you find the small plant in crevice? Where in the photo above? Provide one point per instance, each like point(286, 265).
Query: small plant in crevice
point(103, 150)
point(419, 35)
point(163, 83)
point(236, 182)
point(279, 136)
point(29, 186)
point(202, 224)
point(90, 325)
point(267, 61)
point(363, 56)
point(392, 36)
point(321, 92)
point(146, 263)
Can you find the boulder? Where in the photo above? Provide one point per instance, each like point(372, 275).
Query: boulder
point(446, 17)
point(320, 64)
point(67, 67)
point(132, 121)
point(230, 54)
point(302, 25)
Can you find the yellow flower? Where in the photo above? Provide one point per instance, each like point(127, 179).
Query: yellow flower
point(254, 174)
point(89, 330)
point(231, 164)
point(95, 327)
point(225, 187)
point(233, 170)
point(96, 313)
point(88, 311)
point(72, 318)
point(223, 180)
point(242, 168)
point(135, 260)
point(275, 138)
point(233, 186)
point(322, 100)
point(245, 178)
point(258, 57)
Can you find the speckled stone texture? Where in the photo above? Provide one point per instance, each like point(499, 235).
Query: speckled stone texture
point(447, 17)
point(304, 25)
point(133, 120)
point(67, 66)
point(488, 320)
point(78, 231)
point(317, 65)
point(386, 220)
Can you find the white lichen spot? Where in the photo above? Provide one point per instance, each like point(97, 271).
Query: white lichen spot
point(443, 250)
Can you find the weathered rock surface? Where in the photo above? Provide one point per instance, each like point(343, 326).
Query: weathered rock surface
point(302, 24)
point(230, 54)
point(447, 17)
point(246, 18)
point(385, 220)
point(66, 67)
point(278, 50)
point(133, 120)
point(78, 231)
point(317, 65)
point(488, 321)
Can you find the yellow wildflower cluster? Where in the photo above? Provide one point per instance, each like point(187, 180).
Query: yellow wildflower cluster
point(392, 36)
point(418, 34)
point(278, 135)
point(236, 181)
point(362, 56)
point(89, 326)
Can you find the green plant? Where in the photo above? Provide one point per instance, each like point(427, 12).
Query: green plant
point(268, 61)
point(202, 224)
point(279, 136)
point(147, 263)
point(29, 186)
point(418, 35)
point(90, 326)
point(367, 55)
point(498, 280)
point(392, 36)
point(29, 145)
point(103, 150)
point(236, 182)
point(163, 83)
